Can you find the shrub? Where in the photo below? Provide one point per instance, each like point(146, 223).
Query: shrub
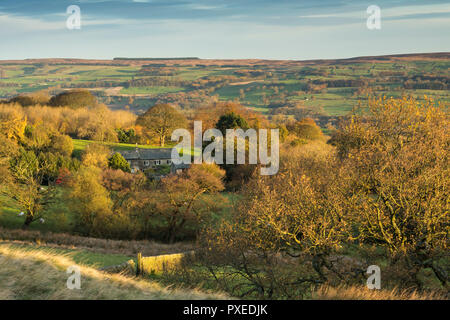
point(118, 162)
point(306, 129)
point(62, 144)
point(127, 136)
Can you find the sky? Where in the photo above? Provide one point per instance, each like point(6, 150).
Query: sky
point(221, 29)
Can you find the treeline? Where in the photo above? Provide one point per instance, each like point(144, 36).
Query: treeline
point(251, 73)
point(8, 84)
point(188, 101)
point(213, 82)
point(74, 113)
point(154, 71)
point(426, 84)
point(155, 81)
point(157, 59)
point(94, 84)
point(342, 83)
point(99, 124)
point(309, 71)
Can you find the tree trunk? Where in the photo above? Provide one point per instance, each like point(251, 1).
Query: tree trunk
point(28, 221)
point(172, 238)
point(172, 231)
point(318, 263)
point(171, 226)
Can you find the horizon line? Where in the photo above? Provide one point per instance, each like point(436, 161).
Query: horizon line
point(229, 59)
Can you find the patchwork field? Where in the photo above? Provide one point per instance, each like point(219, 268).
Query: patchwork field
point(323, 87)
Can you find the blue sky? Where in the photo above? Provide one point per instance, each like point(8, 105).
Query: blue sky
point(228, 29)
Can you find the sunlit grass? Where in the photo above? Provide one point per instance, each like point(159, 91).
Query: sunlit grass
point(363, 293)
point(41, 274)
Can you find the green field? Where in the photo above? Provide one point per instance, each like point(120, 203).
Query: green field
point(151, 90)
point(57, 217)
point(262, 86)
point(79, 145)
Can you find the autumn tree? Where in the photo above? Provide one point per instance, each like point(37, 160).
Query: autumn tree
point(24, 185)
point(385, 184)
point(12, 124)
point(22, 172)
point(32, 99)
point(210, 114)
point(96, 155)
point(97, 124)
point(8, 149)
point(186, 198)
point(161, 120)
point(61, 144)
point(305, 129)
point(396, 161)
point(236, 174)
point(31, 158)
point(283, 231)
point(90, 202)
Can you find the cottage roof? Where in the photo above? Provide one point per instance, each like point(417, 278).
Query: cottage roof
point(148, 154)
point(181, 166)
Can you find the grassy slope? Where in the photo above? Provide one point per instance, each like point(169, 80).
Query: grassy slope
point(79, 145)
point(41, 274)
point(36, 272)
point(57, 216)
point(79, 256)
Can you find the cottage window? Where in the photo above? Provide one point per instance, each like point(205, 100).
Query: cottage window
point(158, 162)
point(146, 162)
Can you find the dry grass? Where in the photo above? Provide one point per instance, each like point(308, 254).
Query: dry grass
point(362, 293)
point(158, 264)
point(62, 240)
point(42, 275)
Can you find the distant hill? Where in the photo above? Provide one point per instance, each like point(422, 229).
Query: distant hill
point(232, 62)
point(152, 59)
